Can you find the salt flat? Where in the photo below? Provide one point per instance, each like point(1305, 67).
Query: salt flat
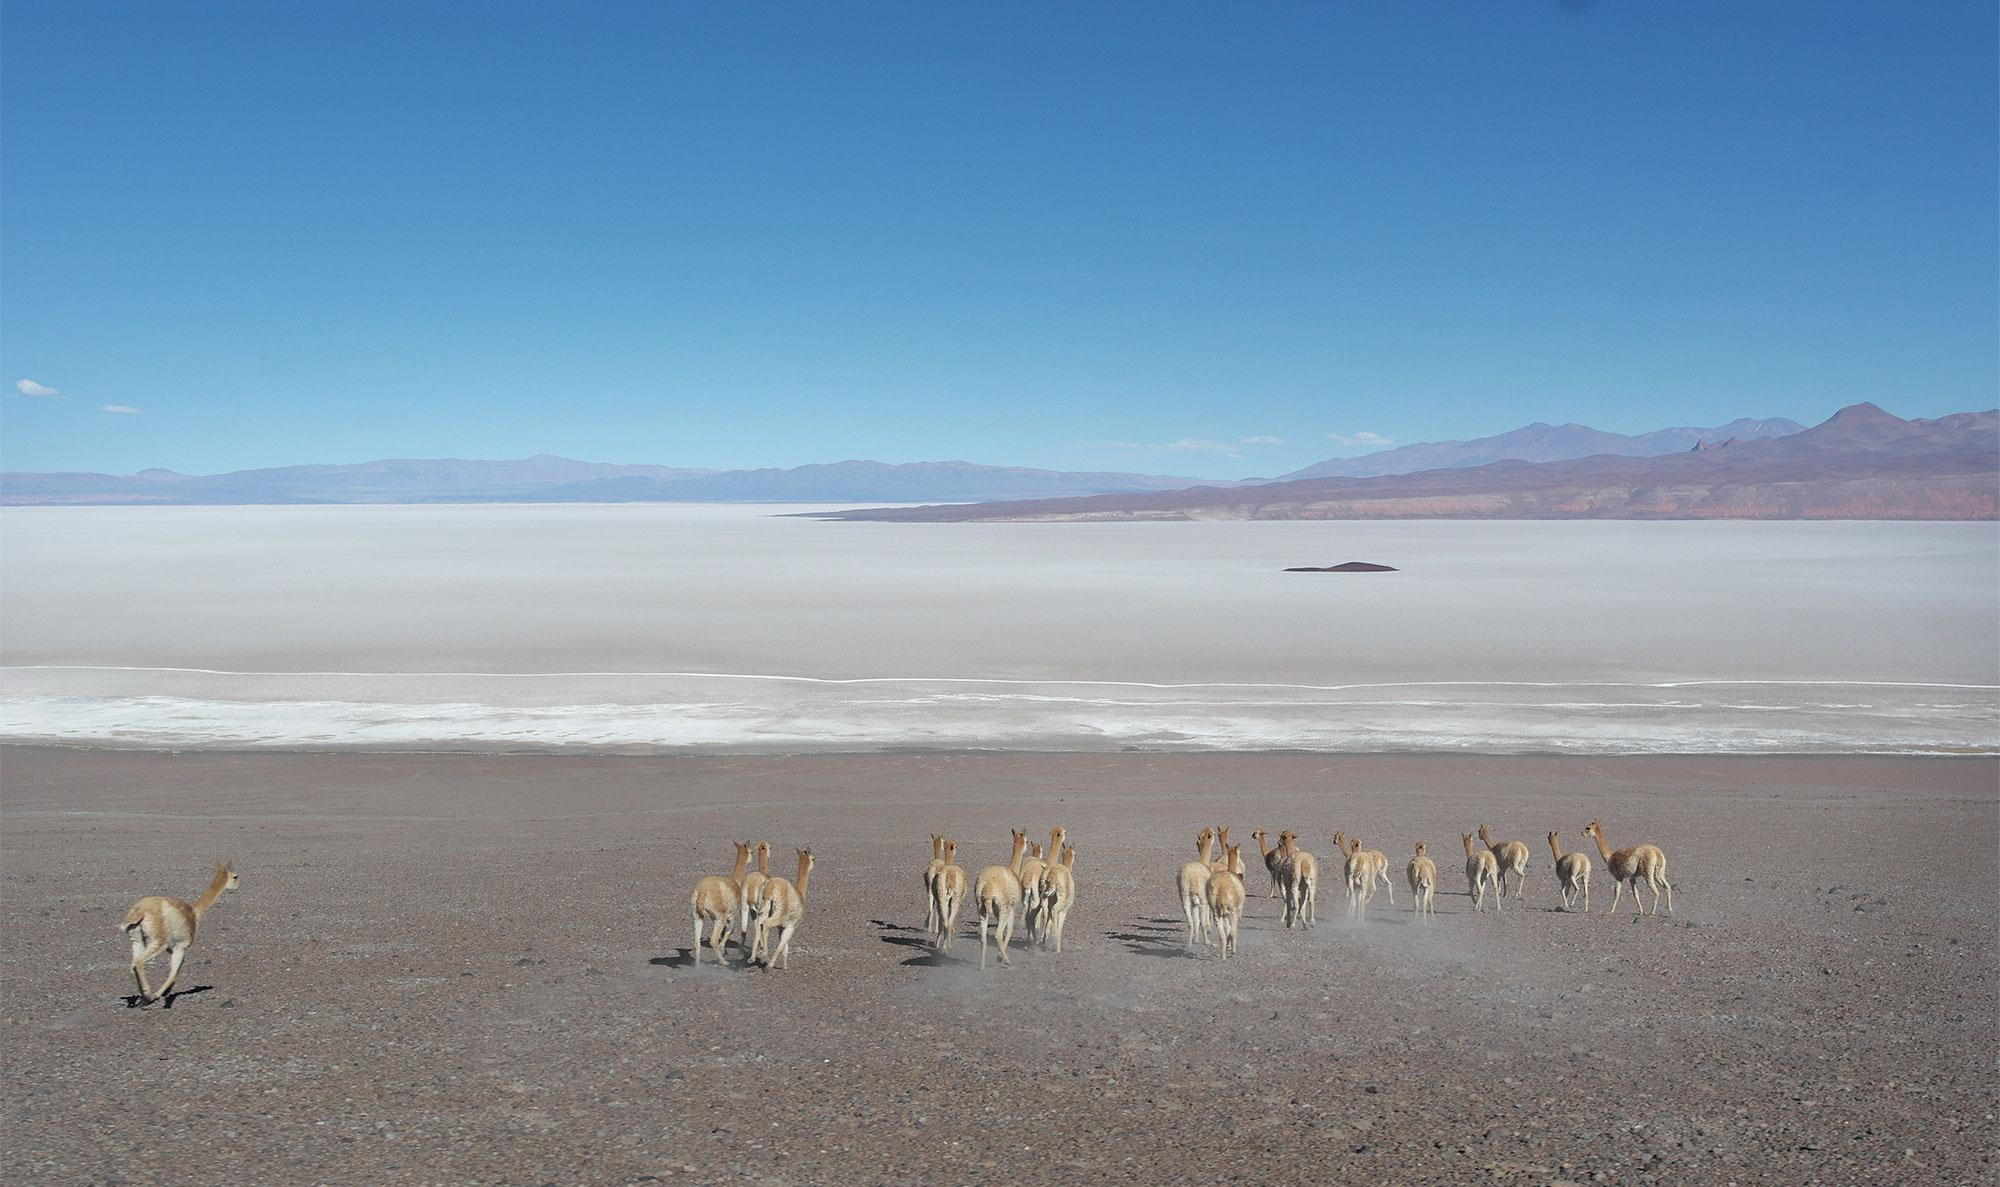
point(668, 627)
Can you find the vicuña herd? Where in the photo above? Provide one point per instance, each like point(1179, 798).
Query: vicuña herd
point(764, 912)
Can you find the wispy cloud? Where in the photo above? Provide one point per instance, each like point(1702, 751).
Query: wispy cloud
point(1199, 445)
point(33, 390)
point(120, 409)
point(1362, 438)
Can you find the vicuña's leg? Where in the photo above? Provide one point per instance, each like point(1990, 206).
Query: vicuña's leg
point(143, 951)
point(1004, 933)
point(982, 940)
point(785, 944)
point(1670, 893)
point(174, 958)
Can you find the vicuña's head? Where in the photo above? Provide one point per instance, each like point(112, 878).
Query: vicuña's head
point(763, 852)
point(1340, 841)
point(1420, 848)
point(805, 860)
point(1468, 844)
point(1020, 838)
point(1069, 856)
point(1035, 851)
point(226, 874)
point(1485, 834)
point(1206, 834)
point(1057, 836)
point(1591, 830)
point(950, 850)
point(1552, 837)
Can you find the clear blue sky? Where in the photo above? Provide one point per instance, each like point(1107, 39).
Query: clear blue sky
point(1061, 235)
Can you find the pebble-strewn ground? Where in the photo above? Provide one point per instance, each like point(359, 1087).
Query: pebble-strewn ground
point(459, 969)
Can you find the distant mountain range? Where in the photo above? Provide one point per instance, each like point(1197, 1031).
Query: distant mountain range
point(1504, 474)
point(548, 479)
point(1539, 442)
point(1863, 463)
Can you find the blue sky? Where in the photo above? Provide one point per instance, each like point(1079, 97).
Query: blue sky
point(1138, 236)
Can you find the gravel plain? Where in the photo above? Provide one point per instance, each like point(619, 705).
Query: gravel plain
point(462, 969)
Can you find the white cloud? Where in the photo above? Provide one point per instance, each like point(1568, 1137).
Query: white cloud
point(29, 387)
point(1198, 445)
point(120, 410)
point(1362, 438)
point(1184, 445)
point(1191, 445)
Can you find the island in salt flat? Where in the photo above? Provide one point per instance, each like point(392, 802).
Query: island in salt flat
point(1349, 567)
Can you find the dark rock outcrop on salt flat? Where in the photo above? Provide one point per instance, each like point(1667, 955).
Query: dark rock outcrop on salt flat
point(1347, 567)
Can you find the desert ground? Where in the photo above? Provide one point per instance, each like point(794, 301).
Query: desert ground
point(475, 969)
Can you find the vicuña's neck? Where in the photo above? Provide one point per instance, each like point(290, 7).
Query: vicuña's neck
point(1603, 846)
point(742, 865)
point(213, 892)
point(805, 871)
point(1556, 848)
